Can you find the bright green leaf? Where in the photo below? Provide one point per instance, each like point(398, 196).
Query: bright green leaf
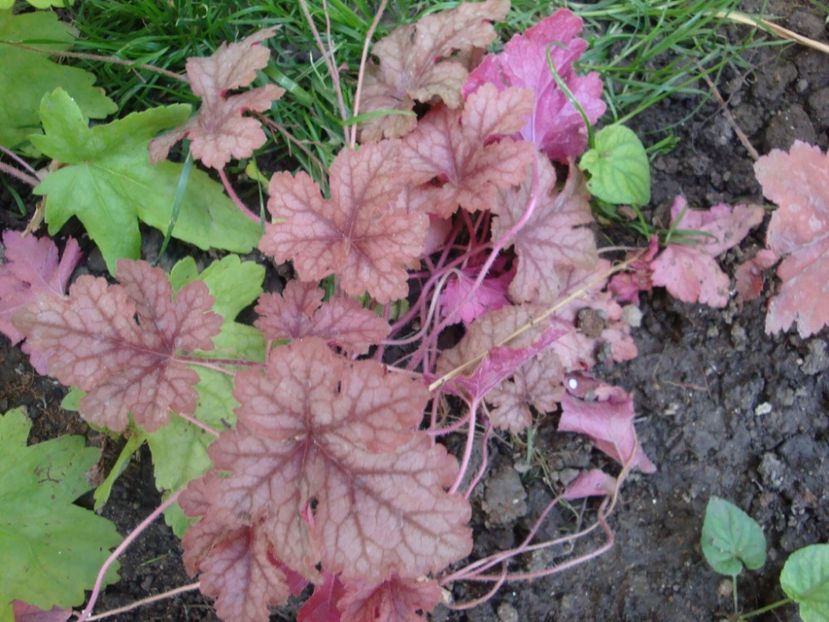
point(618, 165)
point(50, 549)
point(133, 444)
point(26, 75)
point(731, 538)
point(179, 449)
point(110, 185)
point(805, 579)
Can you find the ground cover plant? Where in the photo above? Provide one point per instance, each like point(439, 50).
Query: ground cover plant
point(309, 447)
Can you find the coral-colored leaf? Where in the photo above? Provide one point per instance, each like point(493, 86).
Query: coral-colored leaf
point(552, 243)
point(220, 132)
point(119, 343)
point(360, 233)
point(452, 147)
point(300, 312)
point(608, 421)
point(798, 181)
point(555, 127)
point(457, 302)
point(326, 458)
point(24, 612)
point(31, 270)
point(394, 600)
point(590, 483)
point(425, 60)
point(749, 275)
point(321, 606)
point(241, 576)
point(689, 271)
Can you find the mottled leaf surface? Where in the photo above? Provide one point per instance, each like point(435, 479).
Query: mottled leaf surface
point(395, 600)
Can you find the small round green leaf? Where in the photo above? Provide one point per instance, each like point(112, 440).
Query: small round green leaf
point(805, 579)
point(731, 538)
point(618, 165)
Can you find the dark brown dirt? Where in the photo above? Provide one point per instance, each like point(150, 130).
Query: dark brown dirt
point(724, 409)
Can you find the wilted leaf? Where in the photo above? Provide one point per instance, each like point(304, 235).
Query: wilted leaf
point(688, 271)
point(456, 148)
point(359, 234)
point(32, 270)
point(119, 343)
point(219, 132)
point(731, 538)
point(749, 275)
point(300, 312)
point(108, 183)
point(798, 181)
point(423, 61)
point(555, 126)
point(28, 75)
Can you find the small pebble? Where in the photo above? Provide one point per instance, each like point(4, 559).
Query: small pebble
point(762, 409)
point(507, 613)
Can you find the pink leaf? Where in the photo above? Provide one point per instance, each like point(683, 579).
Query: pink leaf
point(119, 343)
point(590, 483)
point(359, 234)
point(749, 275)
point(555, 127)
point(552, 243)
point(32, 270)
point(798, 181)
point(638, 277)
point(455, 148)
point(300, 312)
point(327, 459)
point(425, 60)
point(689, 271)
point(490, 296)
point(24, 612)
point(220, 132)
point(321, 606)
point(394, 600)
point(608, 421)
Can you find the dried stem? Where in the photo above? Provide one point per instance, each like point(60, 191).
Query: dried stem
point(19, 160)
point(24, 177)
point(362, 72)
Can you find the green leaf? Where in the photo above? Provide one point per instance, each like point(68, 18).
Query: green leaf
point(179, 449)
point(133, 444)
point(805, 579)
point(27, 75)
point(731, 538)
point(618, 165)
point(50, 549)
point(110, 185)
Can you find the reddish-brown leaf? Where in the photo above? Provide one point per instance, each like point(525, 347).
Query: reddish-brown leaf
point(220, 132)
point(452, 148)
point(798, 181)
point(552, 243)
point(749, 275)
point(119, 343)
point(327, 459)
point(395, 600)
point(321, 606)
point(31, 270)
point(300, 312)
point(425, 60)
point(360, 234)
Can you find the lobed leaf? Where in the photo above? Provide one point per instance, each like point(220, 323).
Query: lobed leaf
point(300, 312)
point(426, 60)
point(554, 126)
point(109, 184)
point(219, 132)
point(456, 149)
point(119, 343)
point(28, 74)
point(731, 538)
point(32, 270)
point(798, 181)
point(360, 234)
point(52, 549)
point(688, 271)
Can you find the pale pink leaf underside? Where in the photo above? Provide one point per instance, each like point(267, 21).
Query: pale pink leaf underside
point(590, 483)
point(359, 234)
point(425, 60)
point(119, 343)
point(219, 132)
point(299, 312)
point(798, 182)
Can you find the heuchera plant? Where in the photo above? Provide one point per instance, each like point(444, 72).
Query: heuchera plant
point(324, 469)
